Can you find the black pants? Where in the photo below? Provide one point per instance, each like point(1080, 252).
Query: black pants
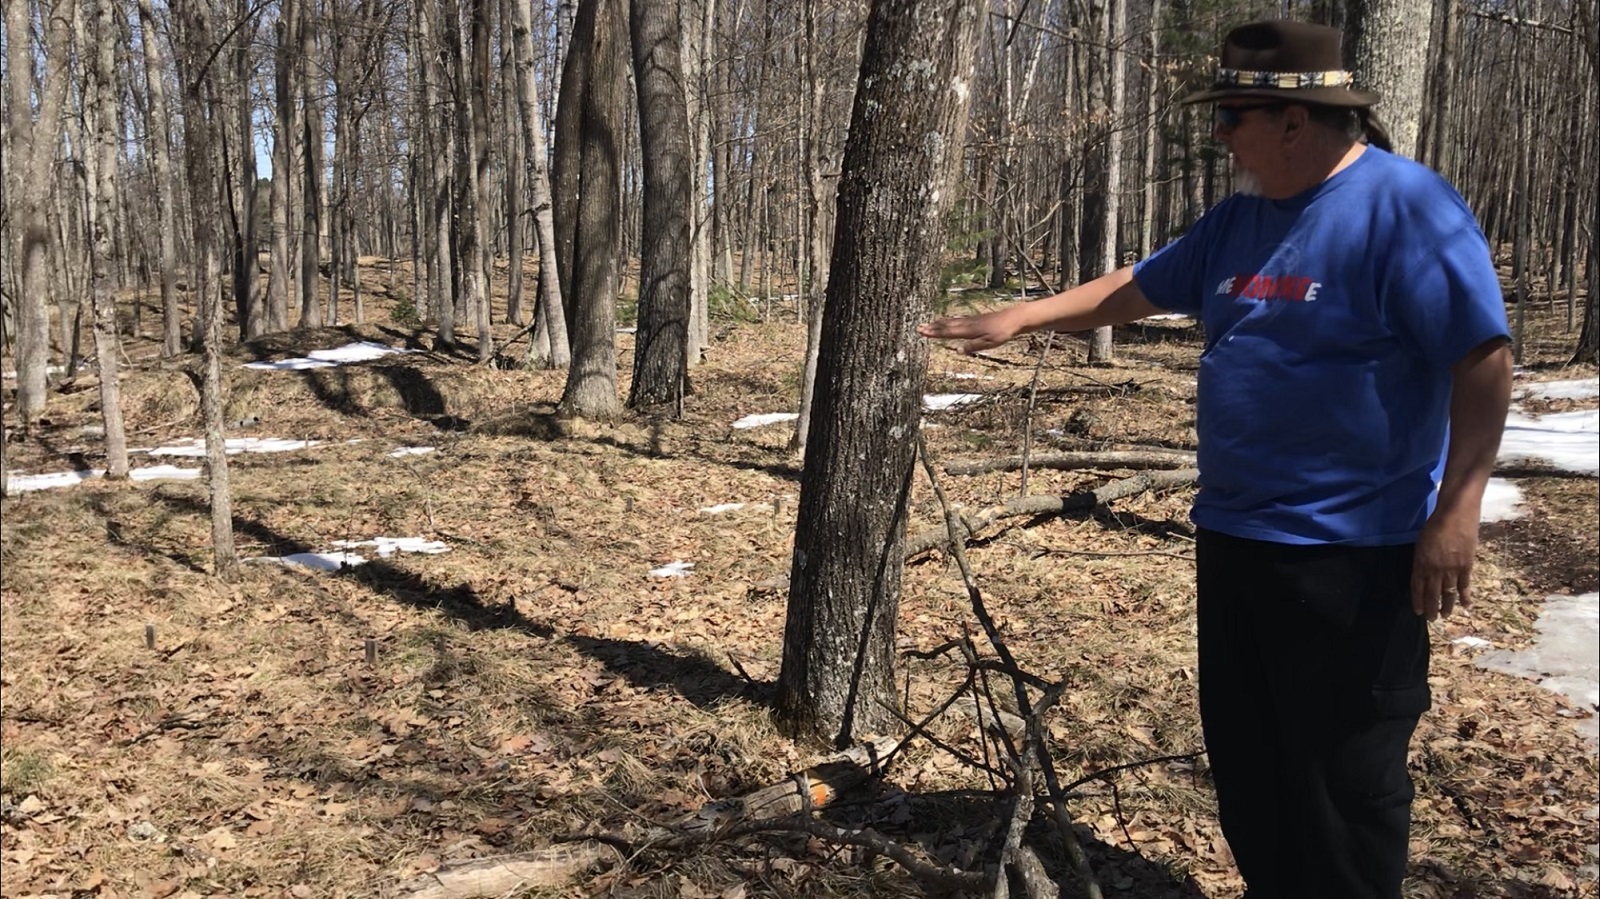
point(1313, 673)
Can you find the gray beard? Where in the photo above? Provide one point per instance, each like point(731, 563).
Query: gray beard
point(1245, 182)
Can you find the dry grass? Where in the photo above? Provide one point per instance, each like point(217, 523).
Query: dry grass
point(534, 681)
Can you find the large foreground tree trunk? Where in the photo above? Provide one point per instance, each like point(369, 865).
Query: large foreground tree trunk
point(660, 355)
point(837, 680)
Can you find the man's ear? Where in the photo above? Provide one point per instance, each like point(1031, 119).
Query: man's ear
point(1296, 122)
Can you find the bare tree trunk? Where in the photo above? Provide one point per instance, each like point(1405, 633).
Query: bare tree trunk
point(1100, 349)
point(837, 680)
point(311, 138)
point(246, 281)
point(588, 179)
point(101, 162)
point(699, 22)
point(31, 141)
point(158, 129)
point(199, 127)
point(1390, 52)
point(813, 291)
point(474, 136)
point(550, 337)
point(516, 164)
point(661, 344)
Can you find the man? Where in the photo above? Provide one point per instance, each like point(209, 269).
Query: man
point(1356, 340)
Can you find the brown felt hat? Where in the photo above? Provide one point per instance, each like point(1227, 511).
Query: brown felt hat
point(1295, 62)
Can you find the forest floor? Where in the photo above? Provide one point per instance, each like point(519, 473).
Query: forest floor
point(537, 679)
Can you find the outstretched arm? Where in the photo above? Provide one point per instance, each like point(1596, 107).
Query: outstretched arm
point(1441, 574)
point(1112, 299)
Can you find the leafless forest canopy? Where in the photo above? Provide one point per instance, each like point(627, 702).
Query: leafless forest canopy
point(297, 137)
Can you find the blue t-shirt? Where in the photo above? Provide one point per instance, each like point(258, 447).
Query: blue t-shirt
point(1332, 320)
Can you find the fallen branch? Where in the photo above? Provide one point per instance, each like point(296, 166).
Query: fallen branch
point(1032, 714)
point(970, 525)
point(507, 874)
point(815, 787)
point(1136, 460)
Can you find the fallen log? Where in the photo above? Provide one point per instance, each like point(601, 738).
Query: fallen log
point(1131, 459)
point(815, 787)
point(938, 538)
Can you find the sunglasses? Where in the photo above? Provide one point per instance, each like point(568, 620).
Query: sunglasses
point(1231, 117)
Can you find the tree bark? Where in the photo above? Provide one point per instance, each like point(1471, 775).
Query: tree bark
point(158, 128)
point(32, 138)
point(837, 678)
point(588, 159)
point(550, 336)
point(1389, 50)
point(200, 105)
point(101, 108)
point(661, 344)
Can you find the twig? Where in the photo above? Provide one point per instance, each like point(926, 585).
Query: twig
point(1104, 773)
point(1080, 860)
point(1027, 417)
point(1108, 554)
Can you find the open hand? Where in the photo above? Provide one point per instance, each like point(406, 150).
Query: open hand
point(976, 332)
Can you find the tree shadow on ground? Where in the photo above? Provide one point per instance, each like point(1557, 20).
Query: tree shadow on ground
point(942, 824)
point(693, 675)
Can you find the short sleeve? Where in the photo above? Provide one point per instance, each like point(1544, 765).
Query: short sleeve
point(1171, 277)
point(1449, 301)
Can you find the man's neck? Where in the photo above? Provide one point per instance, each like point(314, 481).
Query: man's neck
point(1325, 161)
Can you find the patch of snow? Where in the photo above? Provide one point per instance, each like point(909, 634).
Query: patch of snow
point(1165, 317)
point(1502, 500)
point(1561, 390)
point(24, 483)
point(1471, 642)
point(388, 546)
point(1565, 657)
point(967, 376)
point(627, 330)
point(938, 402)
point(196, 447)
point(360, 351)
point(1568, 440)
point(316, 561)
point(763, 419)
point(411, 451)
point(164, 473)
point(724, 507)
point(673, 569)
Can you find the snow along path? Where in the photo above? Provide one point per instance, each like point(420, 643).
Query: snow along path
point(346, 557)
point(23, 483)
point(360, 351)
